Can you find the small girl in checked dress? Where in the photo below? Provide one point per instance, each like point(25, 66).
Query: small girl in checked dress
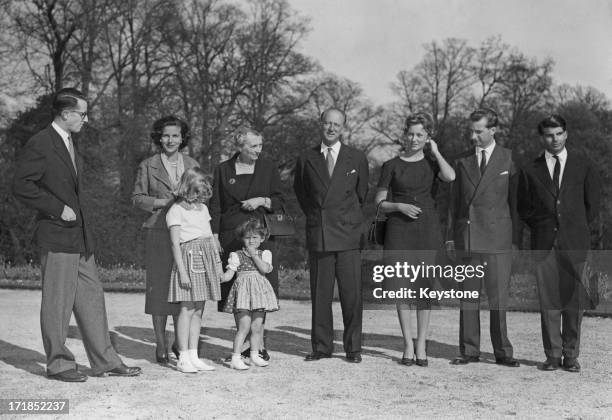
point(251, 295)
point(197, 269)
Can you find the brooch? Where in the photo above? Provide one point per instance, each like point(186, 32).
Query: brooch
point(232, 181)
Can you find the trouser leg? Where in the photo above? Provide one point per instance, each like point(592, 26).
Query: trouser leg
point(322, 278)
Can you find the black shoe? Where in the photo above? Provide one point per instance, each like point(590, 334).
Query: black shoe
point(353, 357)
point(407, 361)
point(122, 370)
point(247, 353)
point(422, 362)
point(551, 363)
point(508, 361)
point(464, 360)
point(175, 350)
point(571, 364)
point(72, 375)
point(316, 355)
point(161, 359)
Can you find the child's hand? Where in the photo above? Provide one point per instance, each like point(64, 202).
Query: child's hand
point(185, 280)
point(252, 251)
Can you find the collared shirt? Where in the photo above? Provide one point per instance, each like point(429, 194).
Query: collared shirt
point(63, 134)
point(335, 149)
point(550, 162)
point(488, 152)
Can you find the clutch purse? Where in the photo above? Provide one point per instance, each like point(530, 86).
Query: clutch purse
point(280, 224)
point(376, 234)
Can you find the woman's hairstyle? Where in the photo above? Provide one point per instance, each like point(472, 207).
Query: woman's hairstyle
point(194, 186)
point(552, 121)
point(252, 226)
point(158, 129)
point(420, 118)
point(242, 133)
point(66, 98)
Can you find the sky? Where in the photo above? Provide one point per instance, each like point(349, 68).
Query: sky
point(370, 41)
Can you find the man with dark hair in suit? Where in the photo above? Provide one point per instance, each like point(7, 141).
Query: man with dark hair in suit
point(331, 183)
point(559, 196)
point(48, 178)
point(482, 228)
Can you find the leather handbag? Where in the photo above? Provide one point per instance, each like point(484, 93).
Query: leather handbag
point(280, 224)
point(376, 234)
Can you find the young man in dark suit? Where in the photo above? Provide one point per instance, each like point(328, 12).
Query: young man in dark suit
point(48, 178)
point(559, 196)
point(331, 183)
point(481, 227)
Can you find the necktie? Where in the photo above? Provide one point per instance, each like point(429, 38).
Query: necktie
point(329, 159)
point(71, 152)
point(556, 174)
point(483, 162)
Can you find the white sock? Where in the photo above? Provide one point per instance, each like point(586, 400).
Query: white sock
point(236, 355)
point(184, 355)
point(193, 354)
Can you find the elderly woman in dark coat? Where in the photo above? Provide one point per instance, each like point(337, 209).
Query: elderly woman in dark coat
point(246, 186)
point(156, 180)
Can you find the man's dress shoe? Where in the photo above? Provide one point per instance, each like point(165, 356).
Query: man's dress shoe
point(464, 360)
point(508, 361)
point(122, 370)
point(317, 355)
point(72, 375)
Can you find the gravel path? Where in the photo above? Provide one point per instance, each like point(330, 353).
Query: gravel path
point(377, 388)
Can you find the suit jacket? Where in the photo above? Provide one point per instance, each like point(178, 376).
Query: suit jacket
point(152, 182)
point(562, 221)
point(482, 210)
point(46, 180)
point(225, 204)
point(333, 207)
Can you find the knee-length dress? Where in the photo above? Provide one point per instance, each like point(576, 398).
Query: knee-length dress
point(152, 182)
point(251, 290)
point(415, 241)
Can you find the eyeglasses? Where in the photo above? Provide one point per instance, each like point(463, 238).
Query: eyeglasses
point(82, 114)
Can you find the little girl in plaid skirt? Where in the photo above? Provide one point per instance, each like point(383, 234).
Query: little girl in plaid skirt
point(197, 269)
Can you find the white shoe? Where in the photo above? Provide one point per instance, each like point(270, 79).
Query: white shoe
point(238, 364)
point(200, 364)
point(257, 360)
point(186, 366)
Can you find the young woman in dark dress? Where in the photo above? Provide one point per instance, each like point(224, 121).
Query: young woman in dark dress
point(413, 234)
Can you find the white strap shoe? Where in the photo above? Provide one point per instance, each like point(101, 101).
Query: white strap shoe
point(257, 360)
point(238, 364)
point(200, 364)
point(186, 366)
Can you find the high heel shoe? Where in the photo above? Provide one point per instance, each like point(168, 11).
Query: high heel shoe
point(422, 362)
point(407, 361)
point(175, 350)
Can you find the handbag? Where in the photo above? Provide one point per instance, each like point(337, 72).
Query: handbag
point(280, 224)
point(589, 279)
point(376, 234)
